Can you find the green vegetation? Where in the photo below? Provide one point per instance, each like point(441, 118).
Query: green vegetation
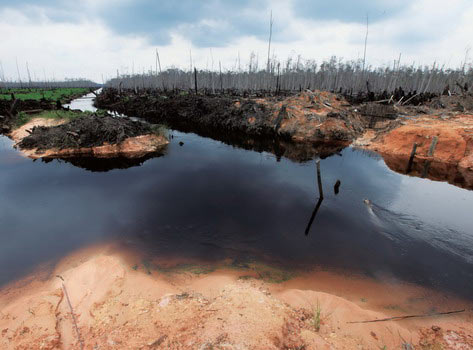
point(160, 129)
point(195, 269)
point(23, 118)
point(53, 95)
point(394, 308)
point(317, 317)
point(190, 268)
point(257, 271)
point(147, 265)
point(271, 274)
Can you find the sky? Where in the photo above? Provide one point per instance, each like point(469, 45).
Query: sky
point(95, 38)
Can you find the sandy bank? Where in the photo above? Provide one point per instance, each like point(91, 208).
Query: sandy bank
point(452, 156)
point(454, 135)
point(131, 147)
point(119, 304)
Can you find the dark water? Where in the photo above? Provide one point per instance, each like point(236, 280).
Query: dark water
point(208, 200)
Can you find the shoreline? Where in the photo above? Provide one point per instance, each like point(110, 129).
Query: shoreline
point(131, 147)
point(120, 305)
point(315, 120)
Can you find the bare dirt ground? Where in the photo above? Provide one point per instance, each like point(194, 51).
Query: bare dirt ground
point(451, 159)
point(118, 303)
point(130, 147)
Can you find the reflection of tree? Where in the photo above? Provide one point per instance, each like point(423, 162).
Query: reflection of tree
point(430, 169)
point(314, 214)
point(279, 146)
point(321, 197)
point(94, 164)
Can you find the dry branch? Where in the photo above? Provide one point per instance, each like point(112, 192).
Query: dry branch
point(398, 318)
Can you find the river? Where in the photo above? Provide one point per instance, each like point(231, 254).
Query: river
point(207, 200)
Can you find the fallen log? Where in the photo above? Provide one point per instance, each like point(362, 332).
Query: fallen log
point(397, 318)
point(33, 111)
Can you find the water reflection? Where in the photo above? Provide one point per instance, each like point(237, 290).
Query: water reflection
point(95, 164)
point(314, 214)
point(430, 169)
point(208, 200)
point(84, 103)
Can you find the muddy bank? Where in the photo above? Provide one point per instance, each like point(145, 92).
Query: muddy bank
point(313, 123)
point(309, 117)
point(444, 146)
point(88, 135)
point(101, 298)
point(431, 169)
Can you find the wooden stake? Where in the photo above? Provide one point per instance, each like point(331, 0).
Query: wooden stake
point(336, 188)
point(314, 214)
point(411, 159)
point(425, 172)
point(319, 179)
point(432, 146)
point(269, 41)
point(221, 79)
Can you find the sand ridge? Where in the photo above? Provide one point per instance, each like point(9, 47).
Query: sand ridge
point(118, 305)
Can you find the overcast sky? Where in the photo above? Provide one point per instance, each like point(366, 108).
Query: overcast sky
point(91, 38)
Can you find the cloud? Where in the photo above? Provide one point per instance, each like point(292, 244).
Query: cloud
point(205, 23)
point(348, 10)
point(89, 38)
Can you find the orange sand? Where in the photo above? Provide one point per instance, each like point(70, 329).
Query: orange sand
point(120, 306)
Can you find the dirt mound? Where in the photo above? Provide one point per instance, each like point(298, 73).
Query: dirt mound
point(132, 149)
point(437, 338)
point(444, 147)
point(99, 299)
point(457, 103)
point(308, 117)
point(86, 131)
point(454, 137)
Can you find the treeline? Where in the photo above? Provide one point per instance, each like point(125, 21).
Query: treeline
point(68, 83)
point(348, 77)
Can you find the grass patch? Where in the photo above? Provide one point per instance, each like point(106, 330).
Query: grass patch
point(316, 317)
point(394, 308)
point(258, 271)
point(190, 268)
point(60, 94)
point(272, 274)
point(22, 118)
point(160, 129)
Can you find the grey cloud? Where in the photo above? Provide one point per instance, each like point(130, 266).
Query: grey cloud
point(348, 10)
